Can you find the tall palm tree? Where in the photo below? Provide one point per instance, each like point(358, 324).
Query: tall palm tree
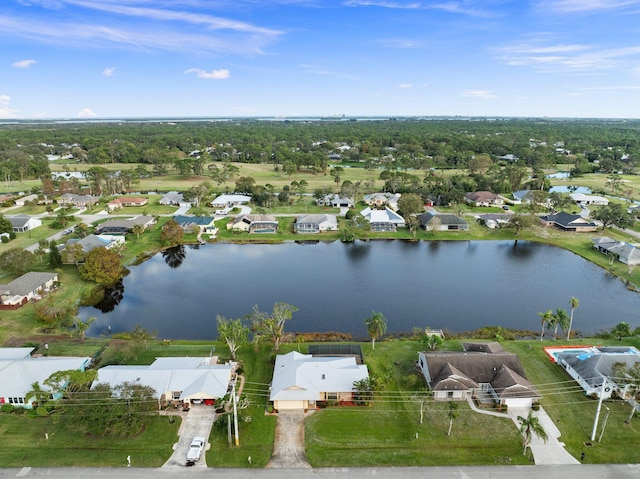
point(562, 320)
point(574, 303)
point(137, 230)
point(528, 427)
point(39, 395)
point(545, 317)
point(376, 327)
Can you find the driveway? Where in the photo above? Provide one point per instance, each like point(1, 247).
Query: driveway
point(552, 452)
point(288, 447)
point(197, 422)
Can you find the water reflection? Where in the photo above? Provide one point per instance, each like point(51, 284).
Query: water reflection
point(455, 285)
point(112, 296)
point(174, 256)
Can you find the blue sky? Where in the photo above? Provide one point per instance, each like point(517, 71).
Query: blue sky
point(236, 58)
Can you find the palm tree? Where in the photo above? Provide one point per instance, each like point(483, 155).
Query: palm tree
point(528, 427)
point(376, 327)
point(562, 320)
point(82, 326)
point(39, 395)
point(137, 230)
point(545, 318)
point(574, 303)
point(452, 414)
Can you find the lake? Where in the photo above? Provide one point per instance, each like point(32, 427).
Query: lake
point(456, 285)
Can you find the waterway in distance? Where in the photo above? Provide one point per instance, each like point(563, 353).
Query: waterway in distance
point(455, 285)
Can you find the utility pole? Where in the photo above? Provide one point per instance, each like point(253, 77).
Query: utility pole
point(595, 421)
point(235, 412)
point(604, 423)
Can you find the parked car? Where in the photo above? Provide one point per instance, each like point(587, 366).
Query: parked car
point(505, 207)
point(195, 450)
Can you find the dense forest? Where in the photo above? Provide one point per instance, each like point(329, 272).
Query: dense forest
point(499, 155)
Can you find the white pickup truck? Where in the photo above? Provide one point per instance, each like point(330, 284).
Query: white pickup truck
point(195, 450)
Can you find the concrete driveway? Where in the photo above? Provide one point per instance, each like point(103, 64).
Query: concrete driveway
point(288, 447)
point(552, 452)
point(197, 422)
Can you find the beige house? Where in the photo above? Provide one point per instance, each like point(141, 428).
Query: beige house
point(302, 380)
point(484, 198)
point(28, 286)
point(254, 224)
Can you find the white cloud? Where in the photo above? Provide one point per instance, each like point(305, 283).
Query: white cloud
point(109, 72)
point(400, 43)
point(586, 6)
point(86, 113)
point(23, 64)
point(405, 85)
point(221, 74)
point(463, 7)
point(316, 70)
point(5, 110)
point(485, 94)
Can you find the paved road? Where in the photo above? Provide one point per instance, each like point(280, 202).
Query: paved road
point(606, 471)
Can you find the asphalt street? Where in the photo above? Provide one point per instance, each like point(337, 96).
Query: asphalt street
point(606, 471)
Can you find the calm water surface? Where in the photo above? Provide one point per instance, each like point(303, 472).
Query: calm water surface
point(454, 285)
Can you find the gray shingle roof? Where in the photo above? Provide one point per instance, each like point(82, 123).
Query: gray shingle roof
point(28, 283)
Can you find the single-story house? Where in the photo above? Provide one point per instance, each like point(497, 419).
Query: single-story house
point(179, 381)
point(494, 220)
point(382, 199)
point(254, 224)
point(196, 224)
point(18, 372)
point(484, 371)
point(484, 198)
point(568, 222)
point(301, 380)
point(224, 201)
point(80, 201)
point(124, 226)
point(442, 222)
point(29, 198)
point(28, 286)
point(624, 252)
point(126, 201)
point(522, 196)
point(173, 198)
point(335, 201)
point(23, 223)
point(591, 367)
point(315, 223)
point(91, 242)
point(383, 220)
point(583, 199)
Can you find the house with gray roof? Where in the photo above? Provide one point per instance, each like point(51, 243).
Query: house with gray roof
point(224, 201)
point(626, 253)
point(335, 201)
point(484, 198)
point(378, 200)
point(176, 380)
point(383, 220)
point(316, 223)
point(196, 224)
point(80, 201)
point(124, 226)
point(173, 198)
point(28, 286)
point(23, 223)
point(87, 244)
point(591, 367)
point(484, 371)
point(300, 381)
point(568, 222)
point(254, 224)
point(18, 372)
point(442, 222)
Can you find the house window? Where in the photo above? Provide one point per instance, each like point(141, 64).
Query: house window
point(21, 400)
point(175, 395)
point(332, 396)
point(10, 400)
point(449, 394)
point(323, 376)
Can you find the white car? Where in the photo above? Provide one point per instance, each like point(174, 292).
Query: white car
point(195, 450)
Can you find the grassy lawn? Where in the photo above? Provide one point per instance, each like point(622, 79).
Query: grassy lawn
point(573, 412)
point(24, 444)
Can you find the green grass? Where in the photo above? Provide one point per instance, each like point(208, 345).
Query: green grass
point(573, 412)
point(24, 444)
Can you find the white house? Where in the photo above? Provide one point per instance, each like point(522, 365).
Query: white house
point(18, 372)
point(583, 199)
point(175, 380)
point(383, 220)
point(28, 286)
point(23, 223)
point(224, 201)
point(301, 380)
point(316, 223)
